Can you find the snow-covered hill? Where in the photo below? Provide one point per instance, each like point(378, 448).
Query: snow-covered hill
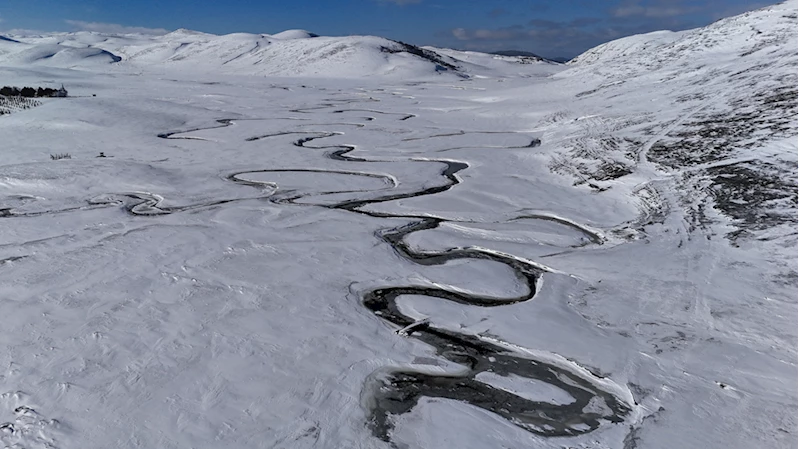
point(288, 53)
point(736, 83)
point(765, 29)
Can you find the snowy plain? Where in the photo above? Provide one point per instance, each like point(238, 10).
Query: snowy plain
point(608, 247)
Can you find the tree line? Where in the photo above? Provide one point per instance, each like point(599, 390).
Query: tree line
point(28, 92)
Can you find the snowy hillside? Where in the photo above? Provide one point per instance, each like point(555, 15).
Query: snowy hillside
point(289, 53)
point(735, 82)
point(292, 241)
point(54, 55)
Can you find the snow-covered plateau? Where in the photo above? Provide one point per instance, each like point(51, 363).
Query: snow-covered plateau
point(294, 241)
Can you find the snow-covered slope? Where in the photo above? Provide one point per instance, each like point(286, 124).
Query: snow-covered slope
point(700, 128)
point(61, 56)
point(294, 34)
point(16, 53)
point(640, 46)
point(593, 255)
point(289, 53)
point(740, 35)
point(492, 65)
point(736, 83)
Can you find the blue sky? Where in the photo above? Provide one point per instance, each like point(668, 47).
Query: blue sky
point(547, 27)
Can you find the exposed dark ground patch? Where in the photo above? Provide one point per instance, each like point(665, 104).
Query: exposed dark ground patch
point(712, 137)
point(595, 159)
point(755, 193)
point(428, 55)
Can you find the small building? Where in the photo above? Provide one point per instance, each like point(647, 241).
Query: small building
point(60, 92)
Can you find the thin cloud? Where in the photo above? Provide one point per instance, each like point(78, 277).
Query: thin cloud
point(539, 7)
point(23, 32)
point(552, 38)
point(649, 11)
point(113, 28)
point(543, 35)
point(581, 22)
point(401, 2)
point(498, 12)
point(657, 9)
point(727, 11)
point(463, 34)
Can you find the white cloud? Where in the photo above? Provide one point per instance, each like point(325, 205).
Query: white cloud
point(114, 28)
point(460, 34)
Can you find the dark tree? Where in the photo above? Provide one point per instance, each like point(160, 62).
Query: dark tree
point(29, 92)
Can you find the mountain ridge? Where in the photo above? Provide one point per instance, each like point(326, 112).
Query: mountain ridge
point(298, 52)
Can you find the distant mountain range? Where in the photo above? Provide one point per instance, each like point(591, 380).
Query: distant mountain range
point(528, 55)
point(302, 53)
point(289, 53)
